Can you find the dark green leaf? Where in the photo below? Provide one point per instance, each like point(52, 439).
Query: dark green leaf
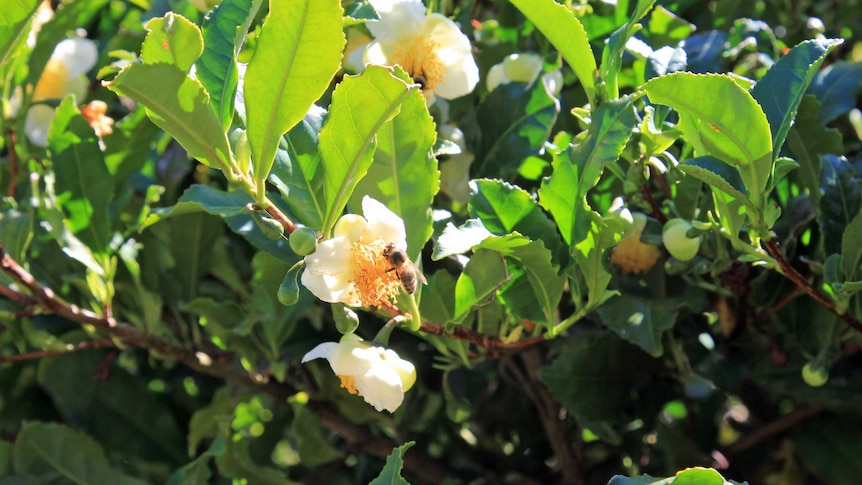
point(223, 31)
point(807, 140)
point(820, 440)
point(391, 473)
point(641, 321)
point(204, 198)
point(198, 471)
point(173, 40)
point(576, 171)
point(664, 61)
point(53, 453)
point(780, 90)
point(361, 105)
point(16, 232)
point(851, 249)
point(237, 462)
point(438, 298)
point(179, 105)
point(595, 378)
point(404, 173)
point(312, 444)
point(129, 418)
point(516, 120)
point(296, 56)
point(836, 87)
point(297, 172)
point(715, 173)
point(83, 186)
point(841, 201)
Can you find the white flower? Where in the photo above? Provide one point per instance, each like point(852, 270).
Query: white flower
point(63, 75)
point(431, 48)
point(350, 268)
point(523, 68)
point(375, 373)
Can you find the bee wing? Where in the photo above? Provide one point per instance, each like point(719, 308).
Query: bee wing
point(418, 273)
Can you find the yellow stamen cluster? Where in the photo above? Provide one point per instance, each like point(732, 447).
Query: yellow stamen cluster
point(633, 256)
point(419, 58)
point(52, 83)
point(349, 383)
point(373, 281)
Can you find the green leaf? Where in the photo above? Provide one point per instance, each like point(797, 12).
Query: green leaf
point(84, 188)
point(438, 298)
point(198, 471)
point(807, 140)
point(576, 171)
point(484, 274)
point(211, 420)
point(666, 28)
point(851, 249)
point(312, 443)
point(612, 55)
point(361, 105)
point(173, 40)
point(698, 476)
point(504, 208)
point(238, 463)
point(836, 87)
point(721, 119)
point(14, 26)
point(841, 200)
point(567, 34)
point(781, 89)
point(391, 473)
point(296, 56)
point(51, 452)
point(541, 273)
point(404, 173)
point(297, 172)
point(596, 378)
point(590, 257)
point(204, 198)
point(818, 441)
point(641, 321)
point(717, 174)
point(224, 29)
point(516, 120)
point(129, 419)
point(179, 105)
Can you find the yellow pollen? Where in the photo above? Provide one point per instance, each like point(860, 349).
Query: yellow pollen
point(419, 58)
point(349, 383)
point(372, 279)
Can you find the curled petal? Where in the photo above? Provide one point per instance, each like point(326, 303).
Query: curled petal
point(383, 223)
point(397, 18)
point(322, 351)
point(381, 387)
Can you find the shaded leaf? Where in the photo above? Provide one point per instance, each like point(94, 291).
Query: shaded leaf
point(391, 473)
point(484, 274)
point(807, 140)
point(781, 89)
point(311, 442)
point(516, 120)
point(836, 87)
point(841, 200)
point(641, 321)
point(296, 55)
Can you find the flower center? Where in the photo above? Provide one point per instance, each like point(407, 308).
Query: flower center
point(419, 58)
point(52, 84)
point(374, 282)
point(349, 383)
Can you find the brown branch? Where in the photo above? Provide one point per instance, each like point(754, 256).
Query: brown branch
point(15, 296)
point(778, 426)
point(790, 273)
point(656, 211)
point(416, 461)
point(79, 347)
point(282, 219)
point(662, 183)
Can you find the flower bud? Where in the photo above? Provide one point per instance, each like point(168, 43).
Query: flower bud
point(303, 240)
point(678, 244)
point(814, 374)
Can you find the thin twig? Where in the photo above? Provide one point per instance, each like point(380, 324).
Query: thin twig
point(778, 426)
point(656, 211)
point(416, 462)
point(81, 346)
point(282, 219)
point(13, 164)
point(15, 296)
point(790, 273)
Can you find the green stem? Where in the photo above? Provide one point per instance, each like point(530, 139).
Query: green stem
point(415, 317)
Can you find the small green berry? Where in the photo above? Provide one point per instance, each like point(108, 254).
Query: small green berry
point(815, 375)
point(303, 240)
point(677, 243)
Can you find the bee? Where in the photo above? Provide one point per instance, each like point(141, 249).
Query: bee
point(406, 271)
point(420, 80)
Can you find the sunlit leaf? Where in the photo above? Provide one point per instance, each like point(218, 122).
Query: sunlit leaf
point(296, 56)
point(391, 473)
point(172, 39)
point(14, 25)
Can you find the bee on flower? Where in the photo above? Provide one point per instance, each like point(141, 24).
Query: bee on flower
point(354, 267)
point(431, 48)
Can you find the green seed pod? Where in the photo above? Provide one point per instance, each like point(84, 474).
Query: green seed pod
point(678, 244)
point(303, 240)
point(814, 374)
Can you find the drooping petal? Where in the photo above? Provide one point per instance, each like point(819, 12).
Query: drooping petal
point(397, 18)
point(405, 369)
point(353, 356)
point(383, 223)
point(381, 387)
point(322, 351)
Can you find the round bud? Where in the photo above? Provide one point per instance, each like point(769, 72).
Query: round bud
point(678, 244)
point(815, 375)
point(303, 240)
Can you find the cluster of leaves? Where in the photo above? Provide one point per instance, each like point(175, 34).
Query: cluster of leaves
point(167, 242)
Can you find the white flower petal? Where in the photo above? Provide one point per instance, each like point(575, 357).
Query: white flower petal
point(495, 77)
point(522, 68)
point(383, 223)
point(80, 55)
point(381, 387)
point(37, 123)
point(322, 351)
point(554, 81)
point(351, 226)
point(397, 18)
point(459, 80)
point(328, 271)
point(405, 369)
